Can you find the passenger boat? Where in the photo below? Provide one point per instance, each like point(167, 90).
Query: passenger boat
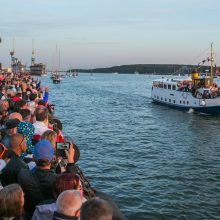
point(197, 91)
point(36, 69)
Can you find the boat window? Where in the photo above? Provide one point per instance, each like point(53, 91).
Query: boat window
point(169, 86)
point(169, 100)
point(157, 97)
point(180, 102)
point(174, 101)
point(187, 102)
point(184, 102)
point(158, 84)
point(161, 99)
point(165, 86)
point(174, 87)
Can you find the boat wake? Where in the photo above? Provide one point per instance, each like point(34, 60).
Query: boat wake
point(191, 110)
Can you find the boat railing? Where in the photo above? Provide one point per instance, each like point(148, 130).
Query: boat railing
point(206, 93)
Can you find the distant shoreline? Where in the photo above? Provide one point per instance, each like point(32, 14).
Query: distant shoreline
point(157, 69)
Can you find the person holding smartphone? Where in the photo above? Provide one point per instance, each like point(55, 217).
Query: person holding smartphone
point(38, 183)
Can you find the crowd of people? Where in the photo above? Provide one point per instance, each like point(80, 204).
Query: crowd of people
point(37, 180)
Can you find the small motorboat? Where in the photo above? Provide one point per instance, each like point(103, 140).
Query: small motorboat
point(56, 79)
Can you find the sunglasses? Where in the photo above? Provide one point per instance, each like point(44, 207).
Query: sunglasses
point(3, 149)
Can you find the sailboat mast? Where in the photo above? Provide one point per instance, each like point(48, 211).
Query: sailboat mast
point(56, 59)
point(59, 60)
point(211, 67)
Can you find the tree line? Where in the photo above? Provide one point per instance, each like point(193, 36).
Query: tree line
point(161, 69)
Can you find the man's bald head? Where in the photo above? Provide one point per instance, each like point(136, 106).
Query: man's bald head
point(69, 203)
point(14, 115)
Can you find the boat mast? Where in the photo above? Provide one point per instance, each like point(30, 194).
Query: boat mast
point(33, 54)
point(211, 67)
point(56, 60)
point(59, 61)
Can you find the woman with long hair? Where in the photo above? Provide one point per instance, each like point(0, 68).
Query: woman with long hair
point(11, 202)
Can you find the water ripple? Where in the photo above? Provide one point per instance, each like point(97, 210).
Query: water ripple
point(156, 162)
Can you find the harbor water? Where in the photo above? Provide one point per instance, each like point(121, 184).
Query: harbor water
point(155, 162)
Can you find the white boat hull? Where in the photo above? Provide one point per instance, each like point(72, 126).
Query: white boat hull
point(185, 100)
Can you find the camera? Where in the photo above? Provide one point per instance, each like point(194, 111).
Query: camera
point(61, 147)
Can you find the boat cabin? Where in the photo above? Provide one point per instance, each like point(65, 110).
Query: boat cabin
point(203, 80)
point(173, 84)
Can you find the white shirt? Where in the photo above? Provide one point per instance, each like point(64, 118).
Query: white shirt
point(40, 127)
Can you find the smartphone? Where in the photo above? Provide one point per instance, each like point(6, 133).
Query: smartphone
point(61, 147)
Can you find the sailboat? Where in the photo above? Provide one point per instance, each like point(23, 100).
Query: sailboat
point(198, 92)
point(56, 79)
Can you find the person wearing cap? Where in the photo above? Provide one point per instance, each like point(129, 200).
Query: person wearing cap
point(17, 145)
point(38, 183)
point(43, 155)
point(10, 129)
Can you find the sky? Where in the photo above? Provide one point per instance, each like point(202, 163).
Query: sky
point(103, 33)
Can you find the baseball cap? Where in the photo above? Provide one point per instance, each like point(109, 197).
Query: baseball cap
point(12, 123)
point(43, 150)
